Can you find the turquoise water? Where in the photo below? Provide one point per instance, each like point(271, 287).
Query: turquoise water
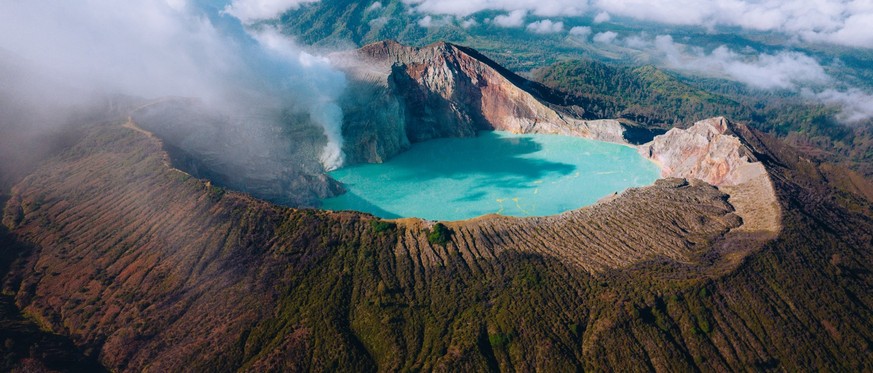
point(495, 172)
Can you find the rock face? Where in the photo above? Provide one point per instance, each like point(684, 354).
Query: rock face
point(708, 151)
point(270, 155)
point(712, 150)
point(445, 90)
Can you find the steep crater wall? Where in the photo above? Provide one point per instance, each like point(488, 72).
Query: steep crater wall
point(719, 152)
point(444, 90)
point(158, 270)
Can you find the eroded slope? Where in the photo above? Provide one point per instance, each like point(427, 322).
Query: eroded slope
point(719, 152)
point(155, 269)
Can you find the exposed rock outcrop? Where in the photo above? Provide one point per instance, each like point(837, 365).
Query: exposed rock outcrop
point(445, 90)
point(708, 151)
point(712, 150)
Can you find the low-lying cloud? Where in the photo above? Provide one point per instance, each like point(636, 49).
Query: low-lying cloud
point(545, 27)
point(606, 37)
point(783, 70)
point(463, 8)
point(430, 22)
point(786, 70)
point(844, 22)
point(855, 104)
point(580, 31)
point(513, 19)
point(155, 48)
point(602, 17)
point(249, 11)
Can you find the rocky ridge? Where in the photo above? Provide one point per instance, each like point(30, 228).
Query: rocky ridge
point(445, 90)
point(713, 150)
point(201, 278)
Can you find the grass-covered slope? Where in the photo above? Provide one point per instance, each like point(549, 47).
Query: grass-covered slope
point(653, 97)
point(644, 94)
point(151, 268)
point(25, 347)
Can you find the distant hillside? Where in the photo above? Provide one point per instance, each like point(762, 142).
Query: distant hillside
point(339, 23)
point(653, 97)
point(645, 95)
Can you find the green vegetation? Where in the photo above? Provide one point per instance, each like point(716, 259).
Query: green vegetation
point(339, 22)
point(439, 234)
point(380, 226)
point(499, 340)
point(655, 98)
point(645, 95)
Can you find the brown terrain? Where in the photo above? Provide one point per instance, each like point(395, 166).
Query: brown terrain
point(746, 256)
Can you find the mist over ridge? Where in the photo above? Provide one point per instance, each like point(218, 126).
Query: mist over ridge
point(89, 52)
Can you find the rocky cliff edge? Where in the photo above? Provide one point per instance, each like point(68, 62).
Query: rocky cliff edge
point(713, 150)
point(445, 90)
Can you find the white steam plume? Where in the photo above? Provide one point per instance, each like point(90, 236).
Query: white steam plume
point(330, 117)
point(154, 48)
point(320, 89)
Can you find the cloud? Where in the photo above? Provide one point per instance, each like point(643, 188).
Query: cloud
point(375, 6)
point(581, 31)
point(783, 70)
point(378, 22)
point(513, 19)
point(464, 8)
point(606, 37)
point(835, 21)
point(147, 47)
point(469, 22)
point(855, 104)
point(430, 22)
point(792, 71)
point(153, 48)
point(844, 22)
point(855, 31)
point(545, 27)
point(602, 17)
point(250, 11)
point(639, 42)
point(426, 22)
